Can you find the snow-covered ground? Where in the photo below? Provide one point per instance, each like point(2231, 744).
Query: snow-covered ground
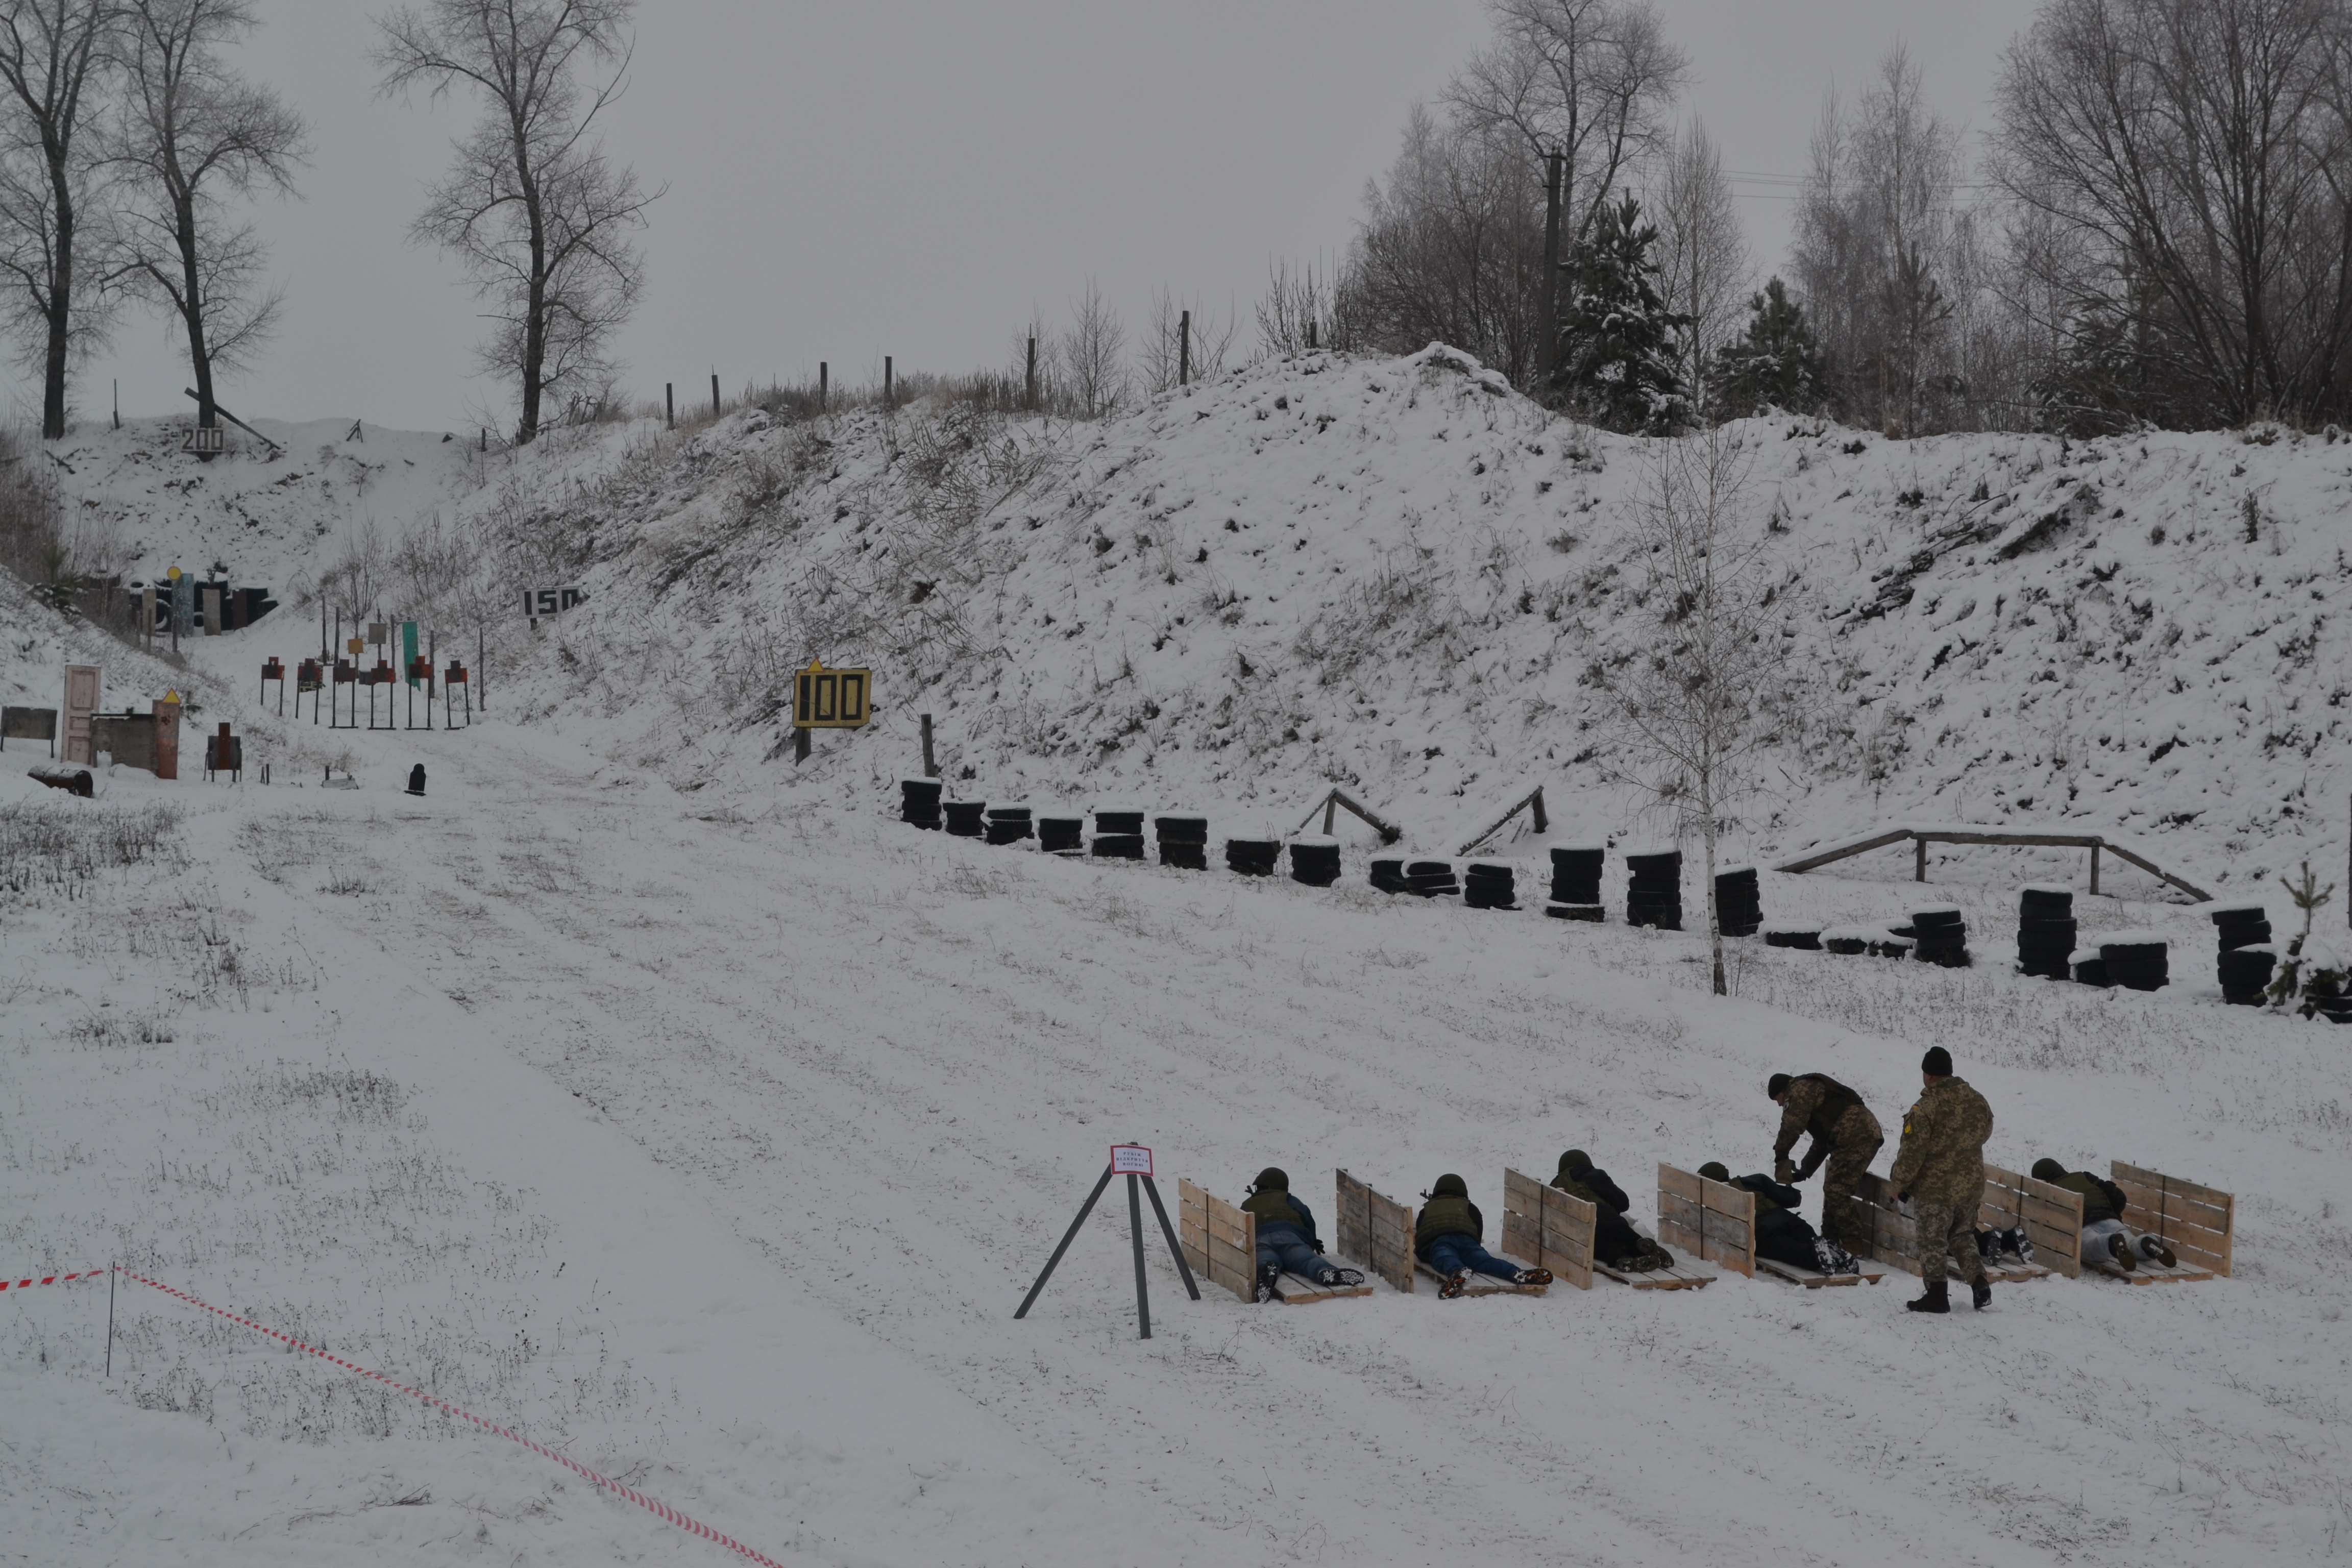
point(705, 1125)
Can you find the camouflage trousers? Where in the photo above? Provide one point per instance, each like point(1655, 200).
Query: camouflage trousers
point(1948, 1231)
point(1843, 1220)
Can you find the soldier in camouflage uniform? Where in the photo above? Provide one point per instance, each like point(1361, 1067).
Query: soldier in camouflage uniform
point(1844, 1133)
point(1939, 1172)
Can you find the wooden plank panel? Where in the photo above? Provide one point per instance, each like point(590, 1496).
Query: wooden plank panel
point(1681, 1183)
point(1732, 1203)
point(1232, 1257)
point(1730, 1255)
point(2189, 1252)
point(2196, 1210)
point(1676, 1237)
point(1196, 1259)
point(1523, 1237)
point(2143, 1204)
point(1688, 1213)
point(1523, 1194)
point(1239, 1284)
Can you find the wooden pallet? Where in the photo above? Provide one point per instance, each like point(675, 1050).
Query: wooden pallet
point(2195, 1222)
point(1681, 1277)
point(2149, 1272)
point(1376, 1232)
point(1220, 1242)
point(1813, 1279)
point(1486, 1284)
point(1544, 1227)
point(2053, 1217)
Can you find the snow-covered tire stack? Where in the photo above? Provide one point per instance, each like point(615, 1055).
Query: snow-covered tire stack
point(1009, 824)
point(1653, 894)
point(1489, 885)
point(2135, 960)
point(1806, 938)
point(1849, 940)
point(1388, 874)
point(1061, 835)
point(1942, 933)
point(1119, 836)
point(964, 818)
point(2045, 931)
point(2089, 967)
point(2247, 958)
point(1576, 881)
point(1430, 878)
point(918, 802)
point(1183, 841)
point(1315, 861)
point(1252, 857)
point(1738, 903)
point(1895, 941)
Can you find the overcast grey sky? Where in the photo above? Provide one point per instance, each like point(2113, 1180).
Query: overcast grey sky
point(911, 177)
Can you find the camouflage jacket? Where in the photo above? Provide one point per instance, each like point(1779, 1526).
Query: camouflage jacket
point(1942, 1157)
point(1815, 1103)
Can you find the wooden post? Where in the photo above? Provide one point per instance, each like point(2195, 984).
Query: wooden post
point(824, 379)
point(669, 403)
point(931, 768)
point(1547, 308)
point(482, 666)
point(1310, 334)
point(1184, 349)
point(2095, 870)
point(889, 390)
point(1029, 398)
point(118, 424)
point(1919, 859)
point(1330, 814)
point(714, 395)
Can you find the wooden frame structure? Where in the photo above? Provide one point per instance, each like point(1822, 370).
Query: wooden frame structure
point(1923, 836)
point(1549, 1229)
point(1710, 1220)
point(2195, 1222)
point(2053, 1217)
point(1220, 1242)
point(1533, 800)
point(1330, 807)
point(1375, 1231)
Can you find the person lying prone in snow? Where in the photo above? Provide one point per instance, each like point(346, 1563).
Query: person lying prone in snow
point(1781, 1233)
point(2104, 1234)
point(1449, 1234)
point(1286, 1242)
point(1615, 1243)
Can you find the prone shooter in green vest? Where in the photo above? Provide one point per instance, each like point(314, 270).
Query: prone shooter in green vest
point(1450, 1235)
point(1286, 1242)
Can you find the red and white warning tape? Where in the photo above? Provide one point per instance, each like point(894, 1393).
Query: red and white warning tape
point(52, 1280)
point(659, 1510)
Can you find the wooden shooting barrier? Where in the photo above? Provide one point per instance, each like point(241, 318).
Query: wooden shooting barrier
point(1220, 1242)
point(1710, 1220)
point(2053, 1217)
point(2195, 1222)
point(1375, 1232)
point(1547, 1228)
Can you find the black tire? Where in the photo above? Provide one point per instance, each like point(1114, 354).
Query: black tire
point(1429, 868)
point(1803, 940)
point(2092, 972)
point(1119, 824)
point(1849, 946)
point(1575, 890)
point(2047, 902)
point(1118, 846)
point(1593, 914)
point(1577, 862)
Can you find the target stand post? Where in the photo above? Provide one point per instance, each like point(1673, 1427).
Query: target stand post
point(1132, 1160)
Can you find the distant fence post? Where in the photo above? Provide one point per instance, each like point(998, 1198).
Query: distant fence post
point(1310, 334)
point(669, 403)
point(823, 380)
point(890, 389)
point(714, 395)
point(1029, 398)
point(1184, 349)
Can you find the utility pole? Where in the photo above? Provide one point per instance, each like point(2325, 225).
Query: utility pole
point(1547, 313)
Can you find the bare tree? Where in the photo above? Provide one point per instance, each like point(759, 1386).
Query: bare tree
point(1589, 79)
point(2191, 158)
point(55, 56)
point(1704, 264)
point(1164, 355)
point(1300, 312)
point(193, 136)
point(1695, 703)
point(1090, 356)
point(540, 218)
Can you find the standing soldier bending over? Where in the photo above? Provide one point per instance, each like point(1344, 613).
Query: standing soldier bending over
point(1285, 1237)
point(1939, 1172)
point(1844, 1133)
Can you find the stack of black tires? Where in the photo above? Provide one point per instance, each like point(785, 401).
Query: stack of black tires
point(1430, 879)
point(2045, 931)
point(1653, 895)
point(1388, 873)
point(1739, 903)
point(918, 802)
point(1008, 824)
point(1850, 941)
point(1942, 936)
point(1252, 857)
point(2135, 960)
point(1061, 835)
point(1315, 861)
point(1183, 841)
point(1576, 881)
point(1119, 836)
point(965, 817)
point(1489, 885)
point(2247, 959)
point(1808, 938)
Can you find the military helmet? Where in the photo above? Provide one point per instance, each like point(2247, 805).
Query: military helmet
point(1575, 1162)
point(1450, 1186)
point(2048, 1170)
point(1716, 1171)
point(1271, 1180)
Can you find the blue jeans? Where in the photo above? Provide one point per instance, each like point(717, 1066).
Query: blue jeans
point(1450, 1255)
point(1287, 1247)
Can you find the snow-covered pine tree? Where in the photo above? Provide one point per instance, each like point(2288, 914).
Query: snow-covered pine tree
point(1619, 339)
point(1777, 364)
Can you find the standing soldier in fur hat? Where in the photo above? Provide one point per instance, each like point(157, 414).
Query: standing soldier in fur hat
point(1939, 1172)
point(1844, 1133)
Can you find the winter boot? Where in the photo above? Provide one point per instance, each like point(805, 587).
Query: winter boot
point(2120, 1251)
point(1937, 1300)
point(1981, 1290)
point(1988, 1247)
point(1831, 1258)
point(1455, 1283)
point(2153, 1246)
point(1639, 1263)
point(1331, 1278)
point(1532, 1276)
point(1658, 1256)
point(1268, 1274)
point(2022, 1243)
